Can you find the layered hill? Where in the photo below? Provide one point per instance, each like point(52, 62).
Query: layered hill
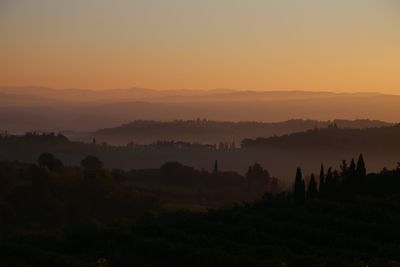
point(88, 110)
point(279, 155)
point(213, 132)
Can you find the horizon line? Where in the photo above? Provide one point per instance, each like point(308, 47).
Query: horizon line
point(200, 90)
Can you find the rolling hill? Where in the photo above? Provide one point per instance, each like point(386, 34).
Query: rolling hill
point(89, 110)
point(212, 132)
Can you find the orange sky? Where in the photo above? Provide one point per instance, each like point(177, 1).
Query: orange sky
point(342, 45)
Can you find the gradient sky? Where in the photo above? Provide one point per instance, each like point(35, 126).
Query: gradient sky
point(336, 45)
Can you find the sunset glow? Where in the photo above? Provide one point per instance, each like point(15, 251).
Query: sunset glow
point(344, 46)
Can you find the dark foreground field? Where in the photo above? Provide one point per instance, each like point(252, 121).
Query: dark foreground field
point(267, 233)
point(350, 219)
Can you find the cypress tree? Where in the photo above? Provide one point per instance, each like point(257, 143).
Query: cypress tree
point(335, 186)
point(344, 169)
point(299, 188)
point(352, 170)
point(321, 179)
point(329, 177)
point(361, 170)
point(350, 181)
point(312, 188)
point(216, 171)
point(328, 187)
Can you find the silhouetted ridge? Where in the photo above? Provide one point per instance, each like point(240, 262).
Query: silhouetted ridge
point(333, 138)
point(209, 131)
point(88, 215)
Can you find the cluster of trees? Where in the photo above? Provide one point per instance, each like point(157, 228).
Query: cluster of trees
point(171, 145)
point(226, 145)
point(325, 230)
point(57, 196)
point(212, 189)
point(34, 136)
point(51, 192)
point(344, 184)
point(333, 138)
point(212, 132)
point(260, 182)
point(181, 145)
point(280, 154)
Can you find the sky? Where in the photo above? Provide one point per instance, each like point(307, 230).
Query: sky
point(322, 45)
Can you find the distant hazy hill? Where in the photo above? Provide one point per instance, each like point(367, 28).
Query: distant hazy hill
point(213, 132)
point(170, 96)
point(376, 139)
point(112, 95)
point(280, 155)
point(20, 100)
point(27, 108)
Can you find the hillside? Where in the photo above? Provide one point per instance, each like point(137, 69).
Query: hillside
point(280, 155)
point(55, 215)
point(88, 110)
point(383, 139)
point(213, 132)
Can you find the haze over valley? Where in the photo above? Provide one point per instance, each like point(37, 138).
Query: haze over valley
point(44, 109)
point(177, 133)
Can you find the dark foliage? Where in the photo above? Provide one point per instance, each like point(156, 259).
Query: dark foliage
point(312, 191)
point(299, 188)
point(91, 163)
point(71, 217)
point(48, 160)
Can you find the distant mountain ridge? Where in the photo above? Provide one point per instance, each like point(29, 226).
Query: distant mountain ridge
point(39, 108)
point(380, 147)
point(207, 131)
point(177, 95)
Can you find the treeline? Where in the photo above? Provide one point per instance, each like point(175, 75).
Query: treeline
point(280, 158)
point(333, 138)
point(348, 182)
point(213, 132)
point(34, 136)
point(345, 218)
point(50, 193)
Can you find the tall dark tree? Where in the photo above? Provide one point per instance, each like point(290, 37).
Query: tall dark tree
point(361, 171)
point(344, 168)
point(312, 191)
point(336, 187)
point(216, 170)
point(349, 181)
point(299, 188)
point(50, 161)
point(352, 167)
point(258, 180)
point(91, 163)
point(321, 179)
point(329, 184)
point(329, 177)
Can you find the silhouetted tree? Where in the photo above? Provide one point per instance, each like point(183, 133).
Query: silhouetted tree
point(312, 188)
point(329, 184)
point(50, 161)
point(352, 168)
point(335, 185)
point(215, 170)
point(274, 186)
point(344, 168)
point(329, 177)
point(361, 170)
point(91, 163)
point(299, 188)
point(321, 180)
point(349, 180)
point(258, 180)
